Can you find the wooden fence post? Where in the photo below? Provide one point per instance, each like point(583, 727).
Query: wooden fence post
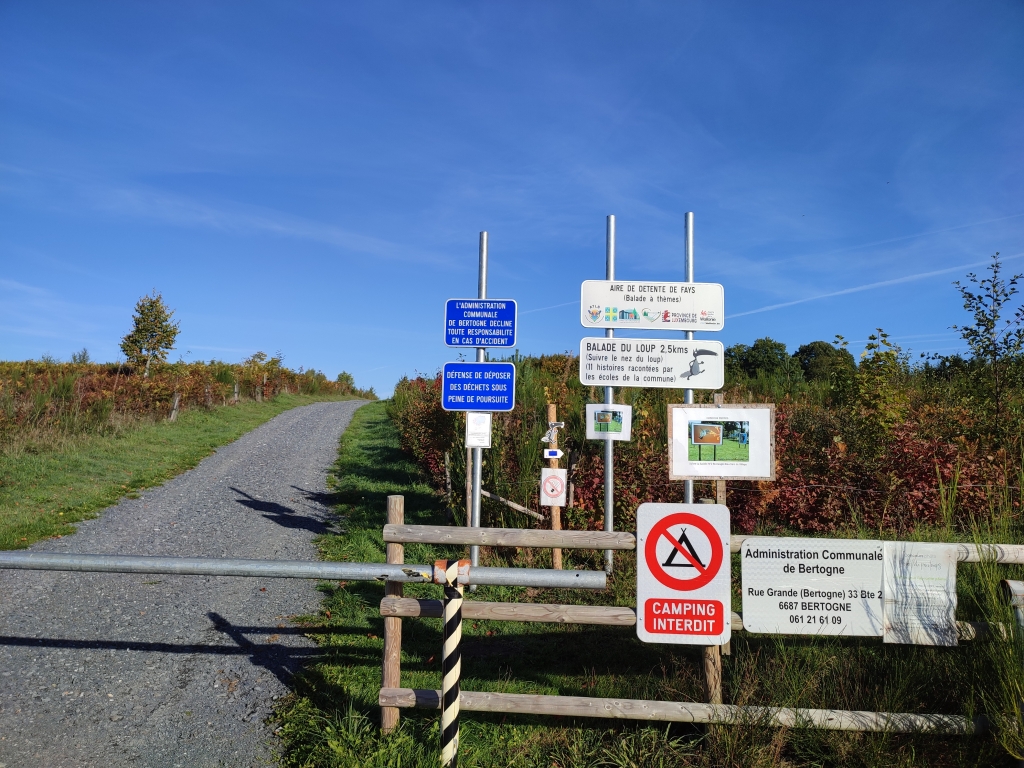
point(392, 673)
point(556, 512)
point(720, 499)
point(236, 393)
point(174, 407)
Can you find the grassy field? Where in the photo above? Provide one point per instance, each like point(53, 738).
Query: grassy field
point(729, 450)
point(332, 719)
point(50, 483)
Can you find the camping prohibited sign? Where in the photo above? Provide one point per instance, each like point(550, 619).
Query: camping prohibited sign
point(552, 487)
point(683, 574)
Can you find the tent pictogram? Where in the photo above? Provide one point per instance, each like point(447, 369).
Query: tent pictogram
point(683, 540)
point(692, 533)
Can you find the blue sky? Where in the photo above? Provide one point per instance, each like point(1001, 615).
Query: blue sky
point(312, 177)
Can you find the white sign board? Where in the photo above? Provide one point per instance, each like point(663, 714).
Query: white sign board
point(655, 305)
point(683, 591)
point(609, 422)
point(478, 429)
point(794, 586)
point(552, 487)
point(746, 450)
point(920, 593)
point(660, 363)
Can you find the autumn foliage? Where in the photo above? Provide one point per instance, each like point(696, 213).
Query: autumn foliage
point(87, 396)
point(877, 450)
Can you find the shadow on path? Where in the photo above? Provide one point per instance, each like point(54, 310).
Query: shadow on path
point(281, 660)
point(280, 514)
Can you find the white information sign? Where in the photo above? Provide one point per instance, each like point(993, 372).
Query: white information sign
point(727, 442)
point(795, 586)
point(660, 363)
point(552, 487)
point(920, 593)
point(609, 422)
point(478, 429)
point(683, 591)
point(656, 305)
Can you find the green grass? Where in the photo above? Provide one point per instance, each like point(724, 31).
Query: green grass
point(729, 450)
point(46, 486)
point(332, 719)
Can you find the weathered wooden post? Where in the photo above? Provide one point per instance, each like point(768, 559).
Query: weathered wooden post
point(392, 673)
point(236, 393)
point(174, 407)
point(720, 499)
point(556, 512)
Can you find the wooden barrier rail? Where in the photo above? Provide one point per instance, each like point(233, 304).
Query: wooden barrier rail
point(394, 607)
point(598, 615)
point(507, 537)
point(686, 712)
point(520, 537)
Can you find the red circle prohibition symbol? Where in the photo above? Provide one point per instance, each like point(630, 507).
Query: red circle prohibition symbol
point(704, 574)
point(553, 486)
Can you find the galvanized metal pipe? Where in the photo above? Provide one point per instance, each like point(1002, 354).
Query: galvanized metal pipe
point(609, 398)
point(688, 393)
point(538, 577)
point(294, 569)
point(213, 566)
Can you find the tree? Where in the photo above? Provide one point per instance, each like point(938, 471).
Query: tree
point(769, 357)
point(347, 382)
point(994, 339)
point(766, 357)
point(153, 333)
point(821, 361)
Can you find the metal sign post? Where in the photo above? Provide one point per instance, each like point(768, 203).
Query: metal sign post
point(688, 393)
point(712, 653)
point(478, 454)
point(609, 398)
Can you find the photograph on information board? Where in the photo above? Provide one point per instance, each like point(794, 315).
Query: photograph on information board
point(729, 442)
point(609, 422)
point(712, 440)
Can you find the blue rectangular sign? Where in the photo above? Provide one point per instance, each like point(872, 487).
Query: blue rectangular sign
point(480, 323)
point(478, 386)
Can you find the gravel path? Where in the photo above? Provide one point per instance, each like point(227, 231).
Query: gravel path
point(140, 670)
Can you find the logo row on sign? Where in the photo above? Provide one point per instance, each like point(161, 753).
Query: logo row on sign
point(603, 304)
point(652, 363)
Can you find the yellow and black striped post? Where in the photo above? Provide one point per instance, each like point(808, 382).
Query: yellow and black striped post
point(451, 661)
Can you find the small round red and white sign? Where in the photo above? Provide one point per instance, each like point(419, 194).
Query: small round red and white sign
point(683, 574)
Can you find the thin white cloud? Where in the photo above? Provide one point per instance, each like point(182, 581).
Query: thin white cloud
point(13, 285)
point(70, 193)
point(183, 211)
point(870, 286)
point(553, 306)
